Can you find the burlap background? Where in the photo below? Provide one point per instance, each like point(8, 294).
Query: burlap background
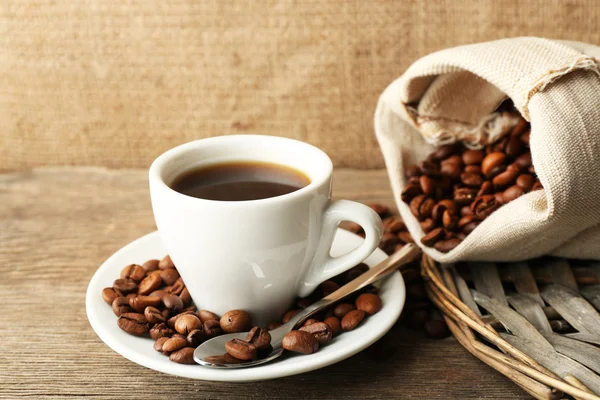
point(115, 82)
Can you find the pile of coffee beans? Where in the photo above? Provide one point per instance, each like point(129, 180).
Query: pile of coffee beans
point(456, 188)
point(151, 300)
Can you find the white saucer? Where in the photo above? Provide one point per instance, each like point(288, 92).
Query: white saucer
point(140, 350)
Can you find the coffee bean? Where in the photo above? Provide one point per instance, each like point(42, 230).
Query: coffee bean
point(185, 297)
point(236, 321)
point(521, 126)
point(328, 287)
point(191, 308)
point(134, 272)
point(421, 207)
point(352, 319)
point(187, 323)
point(523, 161)
point(416, 291)
point(410, 191)
point(470, 227)
point(160, 330)
point(172, 302)
point(206, 315)
point(158, 344)
point(412, 170)
point(470, 157)
point(444, 151)
point(196, 337)
point(169, 276)
point(300, 342)
point(464, 196)
point(430, 168)
point(174, 343)
point(537, 185)
point(432, 237)
point(171, 321)
point(471, 179)
point(259, 337)
point(513, 193)
point(310, 321)
point(150, 265)
point(125, 286)
point(369, 303)
point(166, 313)
point(153, 315)
point(507, 177)
point(320, 330)
point(525, 137)
point(241, 349)
point(273, 325)
point(149, 284)
point(212, 328)
point(525, 181)
point(120, 305)
point(436, 329)
point(289, 315)
point(342, 309)
point(133, 323)
point(449, 220)
point(158, 293)
point(334, 323)
point(405, 237)
point(183, 356)
point(427, 225)
point(303, 303)
point(355, 272)
point(139, 303)
point(466, 211)
point(417, 318)
point(109, 295)
point(491, 161)
point(486, 188)
point(177, 287)
point(393, 224)
point(451, 170)
point(380, 209)
point(427, 185)
point(514, 147)
point(484, 205)
point(444, 246)
point(166, 263)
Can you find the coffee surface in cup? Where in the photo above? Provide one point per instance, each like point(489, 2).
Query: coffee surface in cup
point(239, 181)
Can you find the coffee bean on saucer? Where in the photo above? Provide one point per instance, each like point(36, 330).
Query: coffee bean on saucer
point(187, 323)
point(259, 337)
point(158, 293)
point(134, 272)
point(195, 337)
point(355, 272)
point(320, 330)
point(335, 325)
point(369, 303)
point(160, 330)
point(185, 296)
point(172, 302)
point(206, 315)
point(310, 321)
point(328, 287)
point(139, 303)
point(352, 319)
point(158, 344)
point(236, 321)
point(212, 328)
point(273, 325)
point(166, 263)
point(174, 343)
point(183, 356)
point(149, 284)
point(171, 321)
point(133, 323)
point(109, 295)
point(150, 265)
point(169, 276)
point(303, 303)
point(342, 309)
point(289, 315)
point(120, 305)
point(125, 286)
point(176, 288)
point(153, 315)
point(241, 349)
point(300, 342)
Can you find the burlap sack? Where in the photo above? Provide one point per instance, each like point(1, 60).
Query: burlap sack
point(452, 94)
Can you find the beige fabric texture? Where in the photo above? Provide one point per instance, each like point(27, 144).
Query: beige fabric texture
point(556, 86)
point(116, 82)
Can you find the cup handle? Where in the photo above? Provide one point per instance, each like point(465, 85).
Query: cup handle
point(323, 265)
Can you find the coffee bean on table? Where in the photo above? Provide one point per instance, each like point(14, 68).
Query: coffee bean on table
point(120, 305)
point(150, 265)
point(125, 286)
point(369, 303)
point(320, 330)
point(206, 315)
point(259, 337)
point(166, 263)
point(183, 356)
point(160, 330)
point(149, 284)
point(241, 349)
point(139, 303)
point(174, 343)
point(187, 323)
point(300, 342)
point(334, 323)
point(352, 319)
point(109, 295)
point(172, 302)
point(153, 315)
point(133, 323)
point(236, 321)
point(169, 276)
point(342, 309)
point(134, 272)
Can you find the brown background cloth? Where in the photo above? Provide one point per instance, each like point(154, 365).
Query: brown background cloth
point(115, 83)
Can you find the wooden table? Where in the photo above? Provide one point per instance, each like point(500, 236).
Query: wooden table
point(58, 225)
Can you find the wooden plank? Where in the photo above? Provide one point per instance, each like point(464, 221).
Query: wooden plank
point(573, 308)
point(525, 282)
point(584, 353)
point(487, 280)
point(592, 294)
point(531, 310)
point(57, 225)
point(464, 292)
point(560, 272)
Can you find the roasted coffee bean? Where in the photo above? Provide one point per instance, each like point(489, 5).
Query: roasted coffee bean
point(405, 237)
point(158, 344)
point(289, 315)
point(166, 313)
point(196, 337)
point(421, 206)
point(160, 330)
point(484, 205)
point(303, 303)
point(171, 321)
point(352, 226)
point(328, 287)
point(416, 291)
point(334, 323)
point(342, 309)
point(150, 265)
point(352, 319)
point(464, 196)
point(525, 137)
point(430, 168)
point(133, 323)
point(177, 287)
point(410, 191)
point(525, 181)
point(153, 315)
point(445, 151)
point(449, 220)
point(125, 286)
point(471, 179)
point(174, 343)
point(109, 295)
point(388, 240)
point(120, 305)
point(514, 147)
point(470, 227)
point(537, 185)
point(441, 206)
point(355, 272)
point(470, 157)
point(466, 211)
point(486, 188)
point(507, 177)
point(473, 169)
point(212, 328)
point(191, 308)
point(523, 161)
point(172, 302)
point(169, 276)
point(519, 128)
point(166, 263)
point(412, 170)
point(427, 185)
point(369, 303)
point(444, 246)
point(393, 224)
point(149, 284)
point(513, 193)
point(380, 209)
point(436, 329)
point(185, 297)
point(259, 337)
point(236, 321)
point(241, 349)
point(139, 303)
point(183, 356)
point(187, 323)
point(450, 170)
point(320, 330)
point(491, 162)
point(206, 315)
point(499, 198)
point(273, 325)
point(432, 237)
point(300, 342)
point(310, 321)
point(134, 272)
point(427, 225)
point(158, 293)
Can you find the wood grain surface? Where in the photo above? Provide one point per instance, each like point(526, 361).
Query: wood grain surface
point(57, 225)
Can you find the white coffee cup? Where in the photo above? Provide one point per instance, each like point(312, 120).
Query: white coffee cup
point(255, 255)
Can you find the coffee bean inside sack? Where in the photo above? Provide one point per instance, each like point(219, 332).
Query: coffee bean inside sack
point(151, 300)
point(455, 188)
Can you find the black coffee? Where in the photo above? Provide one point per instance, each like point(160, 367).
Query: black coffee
point(238, 181)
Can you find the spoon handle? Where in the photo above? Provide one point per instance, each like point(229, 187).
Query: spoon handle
point(403, 256)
